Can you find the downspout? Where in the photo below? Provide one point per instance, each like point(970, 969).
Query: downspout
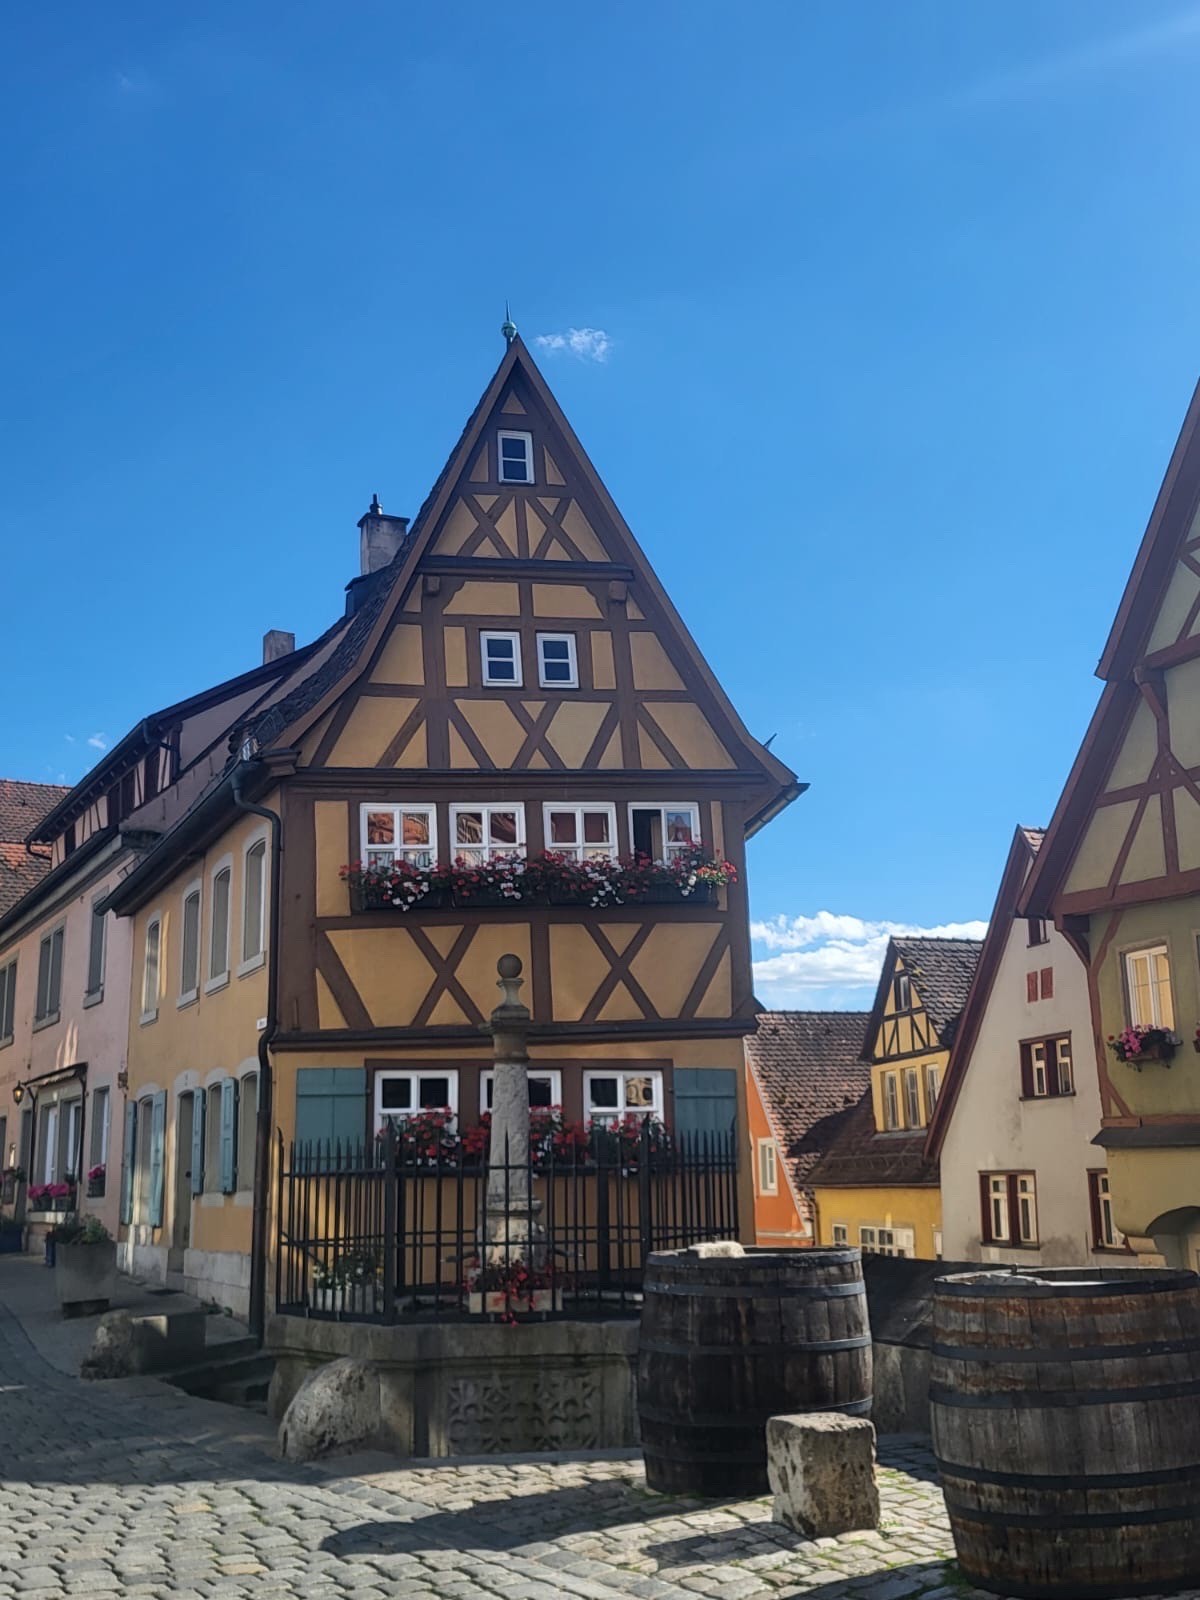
point(262, 1129)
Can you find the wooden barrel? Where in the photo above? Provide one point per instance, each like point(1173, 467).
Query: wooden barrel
point(732, 1337)
point(1066, 1422)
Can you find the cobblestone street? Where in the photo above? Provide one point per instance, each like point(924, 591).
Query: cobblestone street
point(131, 1488)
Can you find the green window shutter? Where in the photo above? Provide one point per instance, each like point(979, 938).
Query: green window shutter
point(229, 1099)
point(158, 1140)
point(127, 1150)
point(705, 1101)
point(331, 1105)
point(199, 1099)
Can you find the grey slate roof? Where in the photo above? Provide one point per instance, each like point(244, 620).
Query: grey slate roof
point(808, 1069)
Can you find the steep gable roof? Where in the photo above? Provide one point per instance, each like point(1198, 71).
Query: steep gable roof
point(1021, 854)
point(941, 971)
point(292, 718)
point(810, 1074)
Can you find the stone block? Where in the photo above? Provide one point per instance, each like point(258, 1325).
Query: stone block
point(125, 1345)
point(335, 1409)
point(821, 1469)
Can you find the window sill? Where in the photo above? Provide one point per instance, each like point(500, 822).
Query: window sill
point(146, 1018)
point(221, 981)
point(1068, 1094)
point(47, 1021)
point(245, 968)
point(209, 1199)
point(244, 1198)
point(93, 999)
point(189, 999)
point(1111, 1250)
point(6, 1041)
point(1007, 1244)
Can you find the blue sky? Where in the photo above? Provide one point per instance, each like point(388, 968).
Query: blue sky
point(892, 322)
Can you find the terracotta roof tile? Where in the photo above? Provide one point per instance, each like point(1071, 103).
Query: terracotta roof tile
point(808, 1068)
point(861, 1155)
point(23, 805)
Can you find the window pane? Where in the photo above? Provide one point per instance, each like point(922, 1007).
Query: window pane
point(499, 650)
point(556, 650)
point(96, 954)
point(603, 1092)
point(595, 827)
point(190, 976)
point(539, 1092)
point(639, 1092)
point(563, 827)
point(468, 827)
point(434, 1093)
point(218, 961)
point(252, 930)
point(395, 1094)
point(381, 827)
point(503, 827)
point(556, 671)
point(512, 449)
point(679, 827)
point(415, 827)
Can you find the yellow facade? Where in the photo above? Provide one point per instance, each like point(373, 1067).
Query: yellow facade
point(843, 1212)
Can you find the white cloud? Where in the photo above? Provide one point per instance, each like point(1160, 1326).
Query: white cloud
point(831, 960)
point(98, 741)
point(69, 737)
point(587, 344)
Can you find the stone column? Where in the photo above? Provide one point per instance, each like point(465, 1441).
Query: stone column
point(511, 1232)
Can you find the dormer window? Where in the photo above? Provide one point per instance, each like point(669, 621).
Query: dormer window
point(515, 453)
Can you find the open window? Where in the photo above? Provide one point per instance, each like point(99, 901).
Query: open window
point(662, 832)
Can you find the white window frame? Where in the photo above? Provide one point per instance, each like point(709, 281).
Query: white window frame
point(527, 440)
point(486, 851)
point(8, 1000)
point(889, 1094)
point(92, 996)
point(414, 1075)
point(663, 806)
point(933, 1087)
point(912, 1097)
point(840, 1233)
point(571, 682)
point(998, 1212)
point(101, 1115)
point(621, 1109)
point(1027, 1208)
point(876, 1240)
point(1038, 1071)
point(218, 980)
point(579, 851)
point(150, 1013)
point(195, 890)
point(251, 963)
point(1155, 1019)
point(517, 681)
point(1062, 1058)
point(1111, 1237)
point(244, 1160)
point(552, 1075)
point(399, 851)
point(214, 1097)
point(768, 1167)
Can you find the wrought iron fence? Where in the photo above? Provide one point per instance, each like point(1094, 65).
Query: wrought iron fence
point(401, 1229)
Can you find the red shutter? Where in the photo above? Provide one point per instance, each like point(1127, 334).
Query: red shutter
point(1031, 986)
point(1093, 1179)
point(1047, 983)
point(1027, 1072)
point(985, 1210)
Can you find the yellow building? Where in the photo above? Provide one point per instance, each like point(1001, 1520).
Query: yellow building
point(1120, 874)
point(875, 1187)
point(509, 679)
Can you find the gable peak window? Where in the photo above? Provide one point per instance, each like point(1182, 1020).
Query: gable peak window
point(1038, 931)
point(557, 664)
point(501, 659)
point(514, 457)
point(902, 992)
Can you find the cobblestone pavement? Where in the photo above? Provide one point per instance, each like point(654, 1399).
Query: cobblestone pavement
point(131, 1489)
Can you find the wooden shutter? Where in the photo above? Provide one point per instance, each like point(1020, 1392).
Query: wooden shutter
point(158, 1140)
point(705, 1101)
point(229, 1099)
point(1027, 1071)
point(1031, 986)
point(199, 1104)
point(1093, 1180)
point(1047, 976)
point(127, 1152)
point(42, 1005)
point(331, 1105)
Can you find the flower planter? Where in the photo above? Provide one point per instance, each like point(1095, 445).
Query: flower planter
point(495, 1303)
point(351, 1300)
point(669, 894)
point(1155, 1052)
point(95, 1189)
point(470, 899)
point(367, 899)
point(85, 1276)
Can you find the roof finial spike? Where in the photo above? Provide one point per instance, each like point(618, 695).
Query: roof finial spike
point(508, 327)
point(375, 505)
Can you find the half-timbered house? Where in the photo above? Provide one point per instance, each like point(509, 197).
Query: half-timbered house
point(1119, 872)
point(509, 680)
point(875, 1187)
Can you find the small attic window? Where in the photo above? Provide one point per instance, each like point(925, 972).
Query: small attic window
point(515, 456)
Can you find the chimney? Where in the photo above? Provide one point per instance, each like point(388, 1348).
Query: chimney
point(380, 536)
point(276, 643)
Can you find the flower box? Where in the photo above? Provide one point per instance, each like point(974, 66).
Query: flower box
point(1153, 1052)
point(495, 1303)
point(488, 897)
point(369, 897)
point(669, 894)
point(85, 1276)
point(95, 1188)
point(350, 1300)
